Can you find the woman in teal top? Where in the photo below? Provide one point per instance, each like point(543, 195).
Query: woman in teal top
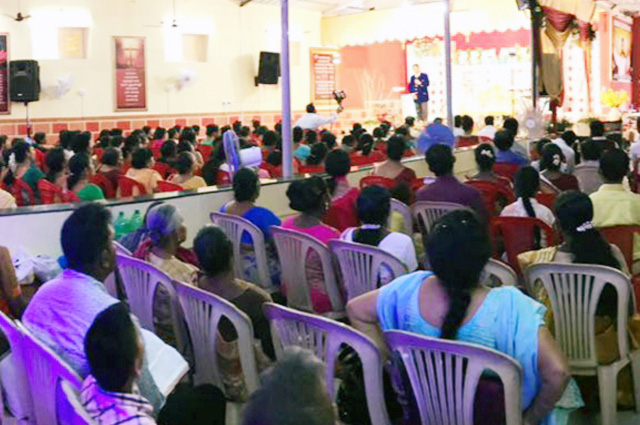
point(80, 172)
point(451, 303)
point(22, 165)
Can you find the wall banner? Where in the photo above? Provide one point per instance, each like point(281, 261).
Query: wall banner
point(130, 74)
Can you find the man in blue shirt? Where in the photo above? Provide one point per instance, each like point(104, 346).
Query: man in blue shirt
point(418, 86)
point(504, 142)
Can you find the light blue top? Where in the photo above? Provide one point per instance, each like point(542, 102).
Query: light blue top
point(302, 153)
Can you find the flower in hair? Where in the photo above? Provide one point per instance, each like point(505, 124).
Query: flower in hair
point(487, 153)
point(587, 225)
point(556, 159)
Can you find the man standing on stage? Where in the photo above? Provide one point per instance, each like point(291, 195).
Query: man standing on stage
point(418, 86)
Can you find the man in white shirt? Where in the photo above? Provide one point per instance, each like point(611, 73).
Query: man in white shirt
point(489, 131)
point(568, 152)
point(312, 120)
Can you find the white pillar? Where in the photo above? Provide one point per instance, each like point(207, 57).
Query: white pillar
point(447, 60)
point(287, 143)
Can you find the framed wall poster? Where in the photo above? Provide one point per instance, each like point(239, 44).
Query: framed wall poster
point(130, 74)
point(323, 75)
point(621, 50)
point(5, 103)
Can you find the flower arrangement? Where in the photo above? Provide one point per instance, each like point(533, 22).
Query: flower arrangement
point(614, 99)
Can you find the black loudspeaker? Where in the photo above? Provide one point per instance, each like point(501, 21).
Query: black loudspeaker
point(24, 79)
point(269, 70)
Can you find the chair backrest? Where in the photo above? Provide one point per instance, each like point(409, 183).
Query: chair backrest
point(140, 281)
point(377, 181)
point(121, 249)
point(491, 193)
point(622, 237)
point(326, 337)
point(506, 169)
point(46, 372)
point(203, 312)
point(164, 186)
point(497, 273)
point(547, 199)
point(206, 151)
point(313, 169)
point(574, 291)
point(223, 178)
point(130, 187)
point(105, 184)
point(71, 411)
point(293, 248)
point(466, 141)
point(444, 376)
point(14, 335)
point(23, 193)
point(163, 169)
point(360, 266)
point(234, 227)
point(427, 213)
point(49, 193)
point(517, 233)
point(405, 210)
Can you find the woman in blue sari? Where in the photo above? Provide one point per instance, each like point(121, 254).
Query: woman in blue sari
point(451, 303)
point(246, 190)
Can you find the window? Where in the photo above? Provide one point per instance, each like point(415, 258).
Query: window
point(195, 47)
point(72, 43)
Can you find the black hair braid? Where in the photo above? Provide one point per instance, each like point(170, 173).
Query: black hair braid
point(459, 301)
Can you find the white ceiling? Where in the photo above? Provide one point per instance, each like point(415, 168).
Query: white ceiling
point(342, 7)
point(631, 7)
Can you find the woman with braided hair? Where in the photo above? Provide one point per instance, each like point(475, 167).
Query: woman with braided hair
point(452, 303)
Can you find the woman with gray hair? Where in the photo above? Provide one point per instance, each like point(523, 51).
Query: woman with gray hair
point(293, 392)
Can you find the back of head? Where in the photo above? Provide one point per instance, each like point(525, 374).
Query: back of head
point(365, 144)
point(459, 237)
point(78, 166)
point(551, 157)
point(590, 150)
point(597, 128)
point(298, 134)
point(184, 163)
point(511, 124)
point(214, 250)
point(168, 150)
point(184, 146)
point(410, 121)
point(140, 158)
point(396, 146)
point(485, 157)
point(540, 146)
point(81, 142)
point(329, 140)
point(318, 154)
point(188, 135)
point(488, 120)
point(113, 348)
point(569, 137)
point(212, 129)
point(162, 220)
point(349, 140)
point(245, 185)
point(270, 139)
point(85, 235)
point(440, 159)
point(39, 138)
point(527, 182)
point(373, 206)
point(311, 137)
point(337, 163)
point(457, 121)
point(55, 161)
point(467, 123)
point(311, 109)
point(503, 140)
point(308, 196)
point(292, 392)
point(614, 165)
point(20, 150)
point(111, 157)
point(575, 211)
point(275, 158)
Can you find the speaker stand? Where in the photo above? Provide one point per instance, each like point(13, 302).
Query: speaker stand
point(26, 105)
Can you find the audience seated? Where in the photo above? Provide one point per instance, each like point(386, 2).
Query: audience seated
point(565, 142)
point(6, 199)
point(488, 132)
point(213, 132)
point(392, 168)
point(342, 211)
point(115, 354)
point(446, 187)
point(300, 150)
point(185, 166)
point(215, 254)
point(56, 165)
point(550, 166)
point(467, 126)
point(111, 165)
point(293, 392)
point(63, 309)
point(159, 137)
point(504, 142)
point(374, 207)
point(22, 166)
point(485, 158)
point(452, 303)
point(142, 171)
point(540, 144)
point(80, 172)
point(318, 154)
point(348, 143)
point(613, 204)
point(310, 197)
point(588, 171)
point(457, 126)
point(246, 190)
point(166, 162)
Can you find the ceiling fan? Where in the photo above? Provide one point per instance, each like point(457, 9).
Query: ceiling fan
point(19, 17)
point(174, 22)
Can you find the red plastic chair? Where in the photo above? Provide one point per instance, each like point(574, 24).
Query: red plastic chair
point(506, 169)
point(206, 151)
point(129, 187)
point(164, 186)
point(223, 178)
point(377, 181)
point(163, 169)
point(517, 234)
point(39, 158)
point(105, 184)
point(22, 192)
point(493, 194)
point(484, 139)
point(359, 160)
point(547, 199)
point(157, 154)
point(274, 172)
point(98, 152)
point(312, 169)
point(622, 237)
point(49, 193)
point(466, 141)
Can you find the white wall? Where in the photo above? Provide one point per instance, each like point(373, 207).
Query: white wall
point(236, 36)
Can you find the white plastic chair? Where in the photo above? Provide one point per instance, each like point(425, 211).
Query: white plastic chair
point(140, 281)
point(574, 291)
point(402, 208)
point(325, 337)
point(360, 266)
point(46, 372)
point(427, 213)
point(71, 411)
point(499, 271)
point(121, 249)
point(234, 227)
point(14, 335)
point(203, 312)
point(444, 376)
point(293, 248)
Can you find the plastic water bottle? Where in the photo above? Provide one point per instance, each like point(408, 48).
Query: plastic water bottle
point(136, 221)
point(121, 225)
